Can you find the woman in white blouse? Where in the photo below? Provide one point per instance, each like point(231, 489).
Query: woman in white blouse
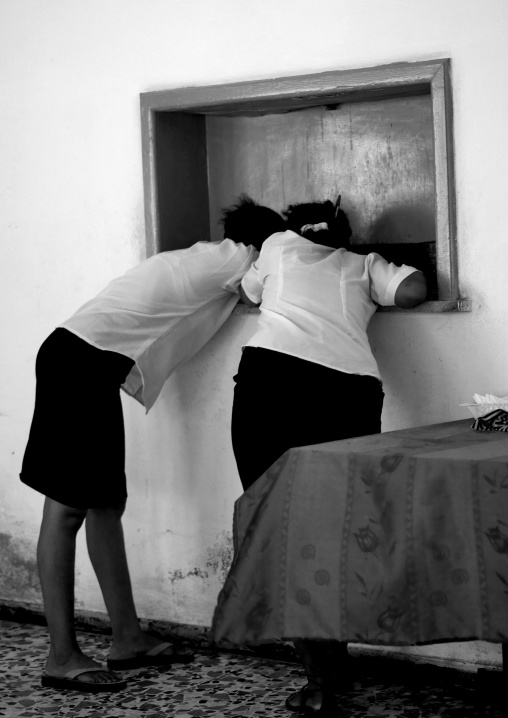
point(308, 374)
point(131, 336)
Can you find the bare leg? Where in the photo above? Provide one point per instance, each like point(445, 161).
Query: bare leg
point(504, 649)
point(106, 548)
point(56, 551)
point(325, 664)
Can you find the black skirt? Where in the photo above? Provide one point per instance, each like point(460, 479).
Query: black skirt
point(282, 401)
point(76, 448)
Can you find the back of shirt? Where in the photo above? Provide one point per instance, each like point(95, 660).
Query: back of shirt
point(316, 301)
point(164, 310)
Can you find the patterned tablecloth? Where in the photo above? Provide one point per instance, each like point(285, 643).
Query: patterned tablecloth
point(396, 538)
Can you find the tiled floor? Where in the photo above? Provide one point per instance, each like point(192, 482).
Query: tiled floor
point(221, 685)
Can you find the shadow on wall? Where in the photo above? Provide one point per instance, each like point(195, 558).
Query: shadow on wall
point(403, 223)
point(416, 355)
point(405, 235)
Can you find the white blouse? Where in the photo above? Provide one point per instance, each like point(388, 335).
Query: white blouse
point(161, 312)
point(316, 302)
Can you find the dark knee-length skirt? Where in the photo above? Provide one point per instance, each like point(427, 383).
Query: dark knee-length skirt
point(76, 448)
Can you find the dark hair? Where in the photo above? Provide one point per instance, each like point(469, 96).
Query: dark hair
point(338, 233)
point(250, 222)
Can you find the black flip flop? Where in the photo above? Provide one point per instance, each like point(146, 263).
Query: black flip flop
point(154, 657)
point(70, 682)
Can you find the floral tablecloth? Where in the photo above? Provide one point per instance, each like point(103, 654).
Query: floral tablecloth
point(397, 538)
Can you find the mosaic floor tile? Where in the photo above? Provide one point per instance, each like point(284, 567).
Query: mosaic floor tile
point(216, 685)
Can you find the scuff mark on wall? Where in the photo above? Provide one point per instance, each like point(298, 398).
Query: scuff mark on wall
point(220, 555)
point(19, 579)
point(216, 562)
point(178, 575)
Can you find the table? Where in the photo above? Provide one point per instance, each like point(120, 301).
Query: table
point(398, 538)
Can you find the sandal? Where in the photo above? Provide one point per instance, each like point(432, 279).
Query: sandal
point(154, 657)
point(70, 681)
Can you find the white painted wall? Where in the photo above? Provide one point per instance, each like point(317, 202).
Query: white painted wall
point(71, 218)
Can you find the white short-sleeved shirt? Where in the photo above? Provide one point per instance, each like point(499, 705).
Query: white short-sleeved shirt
point(316, 302)
point(161, 312)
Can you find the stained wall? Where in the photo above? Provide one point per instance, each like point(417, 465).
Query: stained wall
point(71, 218)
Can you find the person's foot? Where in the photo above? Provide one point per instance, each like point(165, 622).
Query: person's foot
point(313, 701)
point(82, 669)
point(146, 650)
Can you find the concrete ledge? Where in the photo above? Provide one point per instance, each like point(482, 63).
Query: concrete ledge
point(197, 636)
point(431, 307)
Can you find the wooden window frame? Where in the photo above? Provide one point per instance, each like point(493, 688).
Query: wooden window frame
point(328, 88)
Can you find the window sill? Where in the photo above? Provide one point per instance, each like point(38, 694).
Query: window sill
point(436, 307)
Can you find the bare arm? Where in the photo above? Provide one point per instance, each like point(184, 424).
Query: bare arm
point(411, 291)
point(245, 299)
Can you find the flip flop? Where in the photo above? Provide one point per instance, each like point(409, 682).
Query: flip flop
point(153, 657)
point(70, 682)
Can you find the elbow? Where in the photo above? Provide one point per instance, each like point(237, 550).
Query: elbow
point(244, 299)
point(251, 305)
point(411, 301)
point(411, 292)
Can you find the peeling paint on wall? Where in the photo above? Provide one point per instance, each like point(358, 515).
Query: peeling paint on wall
point(178, 575)
point(19, 579)
point(216, 562)
point(220, 556)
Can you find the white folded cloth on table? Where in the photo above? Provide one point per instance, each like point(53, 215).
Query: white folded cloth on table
point(489, 399)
